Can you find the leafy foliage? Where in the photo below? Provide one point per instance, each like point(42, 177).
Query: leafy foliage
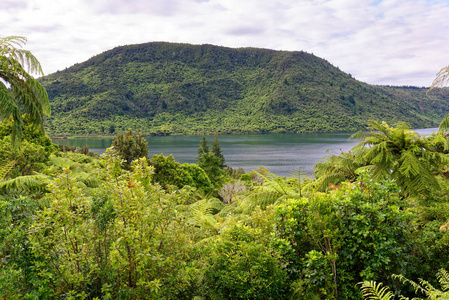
point(211, 160)
point(241, 268)
point(130, 147)
point(169, 172)
point(359, 231)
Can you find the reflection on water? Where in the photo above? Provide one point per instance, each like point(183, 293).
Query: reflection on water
point(280, 153)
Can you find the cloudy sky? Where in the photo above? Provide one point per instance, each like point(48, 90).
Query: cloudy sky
point(394, 42)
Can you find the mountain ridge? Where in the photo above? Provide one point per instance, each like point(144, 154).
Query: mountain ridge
point(168, 88)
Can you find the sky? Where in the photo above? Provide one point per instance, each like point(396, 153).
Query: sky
point(382, 42)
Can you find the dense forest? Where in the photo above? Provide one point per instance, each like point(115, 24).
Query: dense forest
point(165, 88)
point(371, 224)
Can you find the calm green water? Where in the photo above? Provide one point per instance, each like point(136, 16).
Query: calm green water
point(280, 153)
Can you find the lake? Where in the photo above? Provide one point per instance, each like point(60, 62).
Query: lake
point(280, 153)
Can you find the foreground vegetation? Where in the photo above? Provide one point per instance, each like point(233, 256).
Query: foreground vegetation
point(78, 226)
point(125, 226)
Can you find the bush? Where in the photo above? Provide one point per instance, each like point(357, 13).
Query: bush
point(29, 157)
point(130, 146)
point(243, 268)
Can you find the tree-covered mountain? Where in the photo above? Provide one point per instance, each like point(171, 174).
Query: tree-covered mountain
point(164, 88)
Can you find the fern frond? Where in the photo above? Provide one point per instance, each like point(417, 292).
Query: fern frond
point(6, 168)
point(444, 125)
point(202, 214)
point(441, 80)
point(8, 48)
point(259, 199)
point(374, 291)
point(28, 184)
point(418, 288)
point(443, 279)
point(409, 164)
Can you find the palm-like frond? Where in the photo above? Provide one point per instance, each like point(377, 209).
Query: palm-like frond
point(417, 287)
point(6, 168)
point(88, 179)
point(443, 279)
point(24, 94)
point(402, 154)
point(444, 125)
point(374, 291)
point(202, 213)
point(25, 184)
point(441, 80)
point(338, 168)
point(8, 47)
point(260, 199)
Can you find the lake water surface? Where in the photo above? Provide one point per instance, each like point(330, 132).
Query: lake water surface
point(280, 153)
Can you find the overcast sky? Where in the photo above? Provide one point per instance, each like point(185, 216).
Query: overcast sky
point(391, 42)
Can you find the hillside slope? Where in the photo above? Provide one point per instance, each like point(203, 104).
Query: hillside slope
point(164, 88)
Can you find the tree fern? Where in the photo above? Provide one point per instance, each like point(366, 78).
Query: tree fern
point(425, 288)
point(444, 125)
point(402, 154)
point(260, 199)
point(338, 168)
point(202, 213)
point(25, 95)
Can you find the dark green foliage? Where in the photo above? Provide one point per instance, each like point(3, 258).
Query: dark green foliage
point(200, 179)
point(29, 158)
point(242, 268)
point(210, 162)
point(204, 148)
point(16, 216)
point(361, 230)
point(216, 149)
point(32, 133)
point(33, 153)
point(164, 88)
point(168, 172)
point(130, 146)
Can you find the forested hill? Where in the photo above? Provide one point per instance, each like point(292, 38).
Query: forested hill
point(163, 88)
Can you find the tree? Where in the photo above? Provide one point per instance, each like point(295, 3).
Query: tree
point(209, 162)
point(216, 149)
point(20, 93)
point(169, 172)
point(204, 148)
point(130, 146)
point(402, 154)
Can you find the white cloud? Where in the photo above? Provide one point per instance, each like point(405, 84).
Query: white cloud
point(397, 42)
